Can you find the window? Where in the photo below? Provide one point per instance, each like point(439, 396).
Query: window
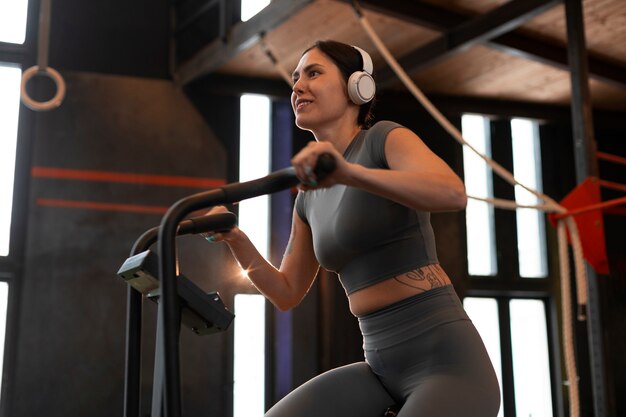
point(531, 240)
point(529, 350)
point(531, 364)
point(254, 162)
point(249, 355)
point(13, 21)
point(514, 330)
point(484, 314)
point(481, 250)
point(13, 18)
point(9, 109)
point(249, 8)
point(4, 300)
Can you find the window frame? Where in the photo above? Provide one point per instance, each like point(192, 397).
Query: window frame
point(507, 284)
point(12, 266)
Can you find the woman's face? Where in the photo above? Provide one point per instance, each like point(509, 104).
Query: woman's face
point(319, 94)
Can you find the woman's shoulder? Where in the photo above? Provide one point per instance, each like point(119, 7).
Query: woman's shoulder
point(383, 127)
point(385, 124)
point(375, 140)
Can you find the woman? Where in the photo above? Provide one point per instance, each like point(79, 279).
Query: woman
point(369, 221)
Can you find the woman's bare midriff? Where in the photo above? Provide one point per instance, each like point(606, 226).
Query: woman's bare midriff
point(397, 288)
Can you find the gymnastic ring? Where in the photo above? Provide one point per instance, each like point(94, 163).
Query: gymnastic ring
point(55, 101)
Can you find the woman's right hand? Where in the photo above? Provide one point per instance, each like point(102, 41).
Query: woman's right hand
point(305, 161)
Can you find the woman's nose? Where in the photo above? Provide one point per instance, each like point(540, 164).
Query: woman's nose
point(297, 86)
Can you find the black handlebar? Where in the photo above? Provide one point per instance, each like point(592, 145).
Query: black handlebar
point(326, 164)
point(213, 222)
point(171, 226)
point(274, 182)
point(169, 304)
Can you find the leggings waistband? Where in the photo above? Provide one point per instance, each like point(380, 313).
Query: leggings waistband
point(411, 317)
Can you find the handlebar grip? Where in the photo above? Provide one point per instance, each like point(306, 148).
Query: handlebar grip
point(218, 222)
point(326, 164)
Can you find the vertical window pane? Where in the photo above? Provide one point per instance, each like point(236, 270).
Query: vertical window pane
point(481, 249)
point(249, 368)
point(4, 300)
point(249, 355)
point(484, 314)
point(531, 242)
point(254, 162)
point(250, 8)
point(9, 110)
point(13, 20)
point(531, 366)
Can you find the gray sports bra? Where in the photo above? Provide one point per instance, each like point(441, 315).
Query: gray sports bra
point(365, 238)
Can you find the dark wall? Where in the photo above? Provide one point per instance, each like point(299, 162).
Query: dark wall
point(69, 340)
point(112, 37)
point(71, 322)
point(559, 180)
point(71, 325)
point(612, 287)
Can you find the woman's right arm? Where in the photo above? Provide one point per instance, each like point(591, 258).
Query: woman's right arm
point(284, 287)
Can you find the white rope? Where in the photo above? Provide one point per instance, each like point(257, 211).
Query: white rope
point(580, 271)
point(550, 205)
point(579, 265)
point(445, 123)
point(42, 68)
point(512, 205)
point(566, 313)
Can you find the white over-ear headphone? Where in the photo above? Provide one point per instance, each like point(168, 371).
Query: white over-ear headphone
point(361, 86)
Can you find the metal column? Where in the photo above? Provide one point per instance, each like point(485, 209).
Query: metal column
point(586, 165)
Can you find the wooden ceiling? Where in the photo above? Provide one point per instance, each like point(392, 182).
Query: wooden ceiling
point(527, 63)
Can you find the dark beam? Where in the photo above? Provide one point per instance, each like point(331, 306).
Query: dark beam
point(222, 84)
point(10, 52)
point(586, 166)
point(514, 43)
point(242, 36)
point(543, 112)
point(417, 12)
point(506, 349)
point(195, 16)
point(481, 28)
point(582, 119)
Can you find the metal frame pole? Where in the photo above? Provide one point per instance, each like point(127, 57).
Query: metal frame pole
point(586, 165)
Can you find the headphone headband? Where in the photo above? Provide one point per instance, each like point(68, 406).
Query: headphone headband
point(368, 66)
point(361, 86)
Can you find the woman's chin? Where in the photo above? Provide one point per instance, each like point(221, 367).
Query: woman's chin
point(303, 122)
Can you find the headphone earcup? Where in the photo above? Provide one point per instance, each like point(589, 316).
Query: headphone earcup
point(361, 87)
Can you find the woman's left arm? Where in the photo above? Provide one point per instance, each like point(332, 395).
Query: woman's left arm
point(416, 177)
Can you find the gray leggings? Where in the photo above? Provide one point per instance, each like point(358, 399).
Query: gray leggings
point(422, 353)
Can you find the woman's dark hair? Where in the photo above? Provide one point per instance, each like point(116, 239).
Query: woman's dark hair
point(348, 60)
